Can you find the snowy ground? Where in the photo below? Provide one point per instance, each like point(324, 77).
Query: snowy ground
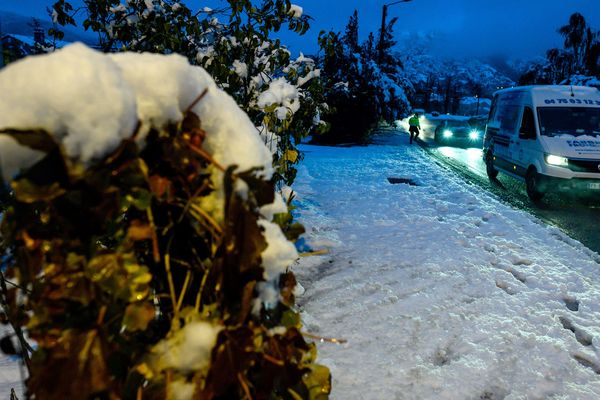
point(442, 291)
point(10, 372)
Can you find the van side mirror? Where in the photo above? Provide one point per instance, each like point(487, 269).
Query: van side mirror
point(523, 134)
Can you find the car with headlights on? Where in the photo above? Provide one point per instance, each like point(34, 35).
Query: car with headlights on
point(458, 133)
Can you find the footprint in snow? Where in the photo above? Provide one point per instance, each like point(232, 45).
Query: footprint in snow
point(495, 393)
point(516, 260)
point(582, 336)
point(443, 356)
point(489, 248)
point(505, 286)
point(586, 362)
point(571, 303)
point(517, 275)
point(486, 217)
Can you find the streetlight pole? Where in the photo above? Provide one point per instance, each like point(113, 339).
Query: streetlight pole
point(382, 32)
point(1, 48)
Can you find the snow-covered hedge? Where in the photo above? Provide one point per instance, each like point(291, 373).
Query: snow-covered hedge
point(234, 44)
point(139, 235)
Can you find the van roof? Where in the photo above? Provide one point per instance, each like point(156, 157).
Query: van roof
point(539, 93)
point(553, 89)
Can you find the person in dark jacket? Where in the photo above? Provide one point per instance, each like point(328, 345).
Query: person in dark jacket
point(414, 127)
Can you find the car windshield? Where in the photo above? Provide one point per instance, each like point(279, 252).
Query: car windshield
point(457, 124)
point(575, 121)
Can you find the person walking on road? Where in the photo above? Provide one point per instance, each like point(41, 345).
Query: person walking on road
point(414, 127)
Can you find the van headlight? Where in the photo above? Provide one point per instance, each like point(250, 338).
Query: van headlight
point(474, 135)
point(557, 160)
point(447, 133)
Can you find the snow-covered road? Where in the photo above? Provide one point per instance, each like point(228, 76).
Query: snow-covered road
point(442, 291)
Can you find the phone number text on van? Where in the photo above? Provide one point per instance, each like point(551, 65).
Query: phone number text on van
point(583, 143)
point(573, 101)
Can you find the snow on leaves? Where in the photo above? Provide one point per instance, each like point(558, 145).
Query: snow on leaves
point(149, 269)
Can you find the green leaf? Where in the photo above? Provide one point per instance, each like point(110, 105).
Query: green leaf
point(318, 382)
point(27, 192)
point(36, 139)
point(139, 198)
point(291, 319)
point(138, 316)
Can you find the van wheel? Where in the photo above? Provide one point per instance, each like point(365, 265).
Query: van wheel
point(492, 172)
point(532, 182)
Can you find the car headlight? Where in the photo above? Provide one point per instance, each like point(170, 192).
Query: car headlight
point(447, 133)
point(474, 135)
point(557, 160)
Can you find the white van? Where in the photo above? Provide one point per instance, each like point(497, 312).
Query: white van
point(548, 136)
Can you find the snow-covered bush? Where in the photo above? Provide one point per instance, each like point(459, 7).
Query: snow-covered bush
point(238, 53)
point(138, 244)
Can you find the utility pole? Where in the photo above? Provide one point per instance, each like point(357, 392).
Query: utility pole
point(1, 47)
point(382, 32)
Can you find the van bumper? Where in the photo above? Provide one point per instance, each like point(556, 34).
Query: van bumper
point(551, 183)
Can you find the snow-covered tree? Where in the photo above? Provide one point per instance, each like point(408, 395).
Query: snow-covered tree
point(579, 57)
point(440, 84)
point(360, 90)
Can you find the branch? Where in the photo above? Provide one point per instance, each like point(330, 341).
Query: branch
point(324, 339)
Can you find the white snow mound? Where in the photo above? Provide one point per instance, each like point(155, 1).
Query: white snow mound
point(90, 102)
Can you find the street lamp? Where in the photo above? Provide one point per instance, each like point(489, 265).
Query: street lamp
point(382, 34)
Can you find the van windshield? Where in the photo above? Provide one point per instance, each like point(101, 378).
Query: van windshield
point(574, 121)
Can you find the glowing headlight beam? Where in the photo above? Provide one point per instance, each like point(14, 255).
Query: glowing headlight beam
point(557, 160)
point(448, 133)
point(474, 135)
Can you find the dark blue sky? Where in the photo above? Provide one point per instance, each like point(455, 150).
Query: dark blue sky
point(469, 28)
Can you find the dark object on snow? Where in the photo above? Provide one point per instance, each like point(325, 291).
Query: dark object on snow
point(7, 346)
point(572, 304)
point(395, 181)
point(302, 246)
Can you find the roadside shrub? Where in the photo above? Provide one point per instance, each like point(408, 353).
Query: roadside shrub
point(138, 248)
